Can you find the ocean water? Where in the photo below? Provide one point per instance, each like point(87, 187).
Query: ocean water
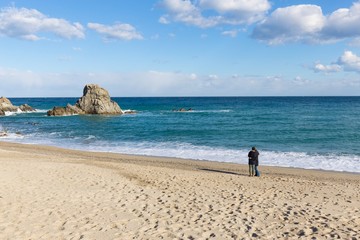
point(304, 132)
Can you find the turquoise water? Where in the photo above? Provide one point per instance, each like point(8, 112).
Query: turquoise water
point(306, 132)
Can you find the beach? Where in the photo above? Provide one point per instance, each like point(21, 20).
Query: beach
point(54, 193)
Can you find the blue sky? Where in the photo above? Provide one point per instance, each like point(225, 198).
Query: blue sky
point(180, 47)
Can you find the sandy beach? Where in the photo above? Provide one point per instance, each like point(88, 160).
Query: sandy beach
point(53, 193)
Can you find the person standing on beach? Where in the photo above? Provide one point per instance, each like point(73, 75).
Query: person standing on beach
point(253, 162)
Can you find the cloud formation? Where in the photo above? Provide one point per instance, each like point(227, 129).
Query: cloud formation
point(307, 24)
point(343, 23)
point(238, 11)
point(18, 83)
point(29, 24)
point(119, 31)
point(348, 61)
point(231, 33)
point(327, 68)
point(294, 23)
point(210, 13)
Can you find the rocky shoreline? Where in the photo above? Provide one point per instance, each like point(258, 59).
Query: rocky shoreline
point(7, 106)
point(95, 100)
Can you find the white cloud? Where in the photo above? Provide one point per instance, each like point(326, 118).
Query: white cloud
point(327, 68)
point(184, 11)
point(307, 24)
point(300, 81)
point(231, 33)
point(343, 23)
point(348, 61)
point(238, 11)
point(18, 83)
point(164, 20)
point(120, 31)
point(294, 23)
point(28, 24)
point(210, 13)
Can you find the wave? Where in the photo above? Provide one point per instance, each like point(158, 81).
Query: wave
point(19, 111)
point(204, 111)
point(41, 110)
point(7, 113)
point(332, 162)
point(10, 136)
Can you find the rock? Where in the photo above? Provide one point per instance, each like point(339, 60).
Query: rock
point(26, 108)
point(56, 111)
point(95, 100)
point(7, 106)
point(74, 109)
point(3, 134)
point(65, 111)
point(61, 111)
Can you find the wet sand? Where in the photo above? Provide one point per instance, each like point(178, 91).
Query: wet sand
point(53, 193)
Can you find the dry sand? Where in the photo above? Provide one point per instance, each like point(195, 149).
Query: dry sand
point(52, 193)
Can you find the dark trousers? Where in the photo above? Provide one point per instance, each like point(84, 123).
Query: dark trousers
point(257, 173)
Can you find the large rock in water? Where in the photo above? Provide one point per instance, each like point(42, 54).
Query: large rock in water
point(7, 106)
point(95, 100)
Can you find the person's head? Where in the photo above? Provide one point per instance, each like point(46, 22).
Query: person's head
point(253, 148)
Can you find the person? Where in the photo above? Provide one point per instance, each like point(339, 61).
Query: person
point(253, 162)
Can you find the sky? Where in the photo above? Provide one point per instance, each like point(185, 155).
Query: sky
point(137, 48)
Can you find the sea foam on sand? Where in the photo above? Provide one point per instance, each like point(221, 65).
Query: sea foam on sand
point(52, 193)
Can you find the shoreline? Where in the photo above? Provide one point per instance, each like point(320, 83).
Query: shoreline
point(50, 192)
point(17, 145)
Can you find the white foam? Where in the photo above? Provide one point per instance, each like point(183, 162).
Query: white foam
point(214, 111)
point(18, 111)
point(205, 111)
point(11, 136)
point(128, 111)
point(333, 162)
point(41, 110)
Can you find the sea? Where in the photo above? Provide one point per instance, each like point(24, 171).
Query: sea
point(298, 132)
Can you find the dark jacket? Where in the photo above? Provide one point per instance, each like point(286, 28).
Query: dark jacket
point(254, 157)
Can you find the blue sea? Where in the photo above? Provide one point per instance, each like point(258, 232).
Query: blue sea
point(304, 132)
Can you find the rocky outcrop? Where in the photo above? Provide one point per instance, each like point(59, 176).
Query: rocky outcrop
point(95, 100)
point(7, 106)
point(26, 108)
point(62, 111)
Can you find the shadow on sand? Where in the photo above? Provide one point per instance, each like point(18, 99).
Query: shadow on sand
point(221, 171)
